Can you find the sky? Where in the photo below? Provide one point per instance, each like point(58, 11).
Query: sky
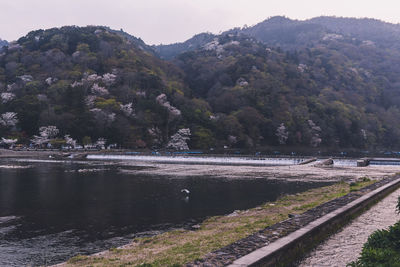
point(170, 21)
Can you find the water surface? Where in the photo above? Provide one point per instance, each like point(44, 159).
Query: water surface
point(52, 211)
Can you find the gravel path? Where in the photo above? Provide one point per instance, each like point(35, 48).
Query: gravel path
point(345, 246)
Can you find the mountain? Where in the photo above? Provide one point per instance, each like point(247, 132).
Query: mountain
point(90, 83)
point(168, 52)
point(312, 85)
point(134, 40)
point(339, 93)
point(291, 34)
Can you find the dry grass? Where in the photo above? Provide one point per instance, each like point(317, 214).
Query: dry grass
point(177, 247)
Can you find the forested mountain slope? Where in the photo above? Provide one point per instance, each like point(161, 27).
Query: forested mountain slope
point(89, 82)
point(308, 86)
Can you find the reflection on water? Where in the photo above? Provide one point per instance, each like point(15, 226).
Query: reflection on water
point(52, 211)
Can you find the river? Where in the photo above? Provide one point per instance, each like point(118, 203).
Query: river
point(51, 211)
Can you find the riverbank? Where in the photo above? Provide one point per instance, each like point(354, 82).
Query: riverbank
point(183, 246)
point(346, 245)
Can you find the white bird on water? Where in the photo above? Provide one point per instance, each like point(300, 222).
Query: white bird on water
point(185, 191)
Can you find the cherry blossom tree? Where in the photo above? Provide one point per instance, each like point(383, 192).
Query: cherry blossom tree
point(99, 90)
point(315, 134)
point(89, 100)
point(7, 97)
point(162, 100)
point(70, 141)
point(109, 79)
point(179, 140)
point(101, 142)
point(8, 119)
point(46, 134)
point(282, 134)
point(8, 142)
point(127, 109)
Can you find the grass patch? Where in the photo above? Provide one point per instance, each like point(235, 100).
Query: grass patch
point(178, 247)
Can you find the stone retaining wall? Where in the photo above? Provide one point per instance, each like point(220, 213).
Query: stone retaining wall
point(285, 242)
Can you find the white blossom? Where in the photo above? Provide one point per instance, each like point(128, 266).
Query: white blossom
point(39, 140)
point(242, 82)
point(98, 90)
point(315, 134)
point(49, 81)
point(101, 142)
point(282, 134)
point(302, 67)
point(109, 79)
point(332, 36)
point(162, 100)
point(95, 110)
point(7, 97)
point(93, 78)
point(179, 140)
point(9, 142)
point(76, 84)
point(12, 87)
point(111, 117)
point(364, 134)
point(232, 139)
point(46, 133)
point(141, 93)
point(69, 140)
point(214, 118)
point(90, 100)
point(26, 78)
point(127, 109)
point(8, 119)
point(213, 45)
point(76, 54)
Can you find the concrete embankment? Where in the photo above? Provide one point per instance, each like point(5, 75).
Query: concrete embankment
point(285, 242)
point(346, 245)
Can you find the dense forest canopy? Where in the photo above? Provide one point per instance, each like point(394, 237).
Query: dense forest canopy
point(325, 82)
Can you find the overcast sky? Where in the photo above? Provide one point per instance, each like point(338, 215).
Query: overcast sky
point(169, 21)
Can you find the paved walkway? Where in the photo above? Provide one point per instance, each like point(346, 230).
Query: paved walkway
point(345, 246)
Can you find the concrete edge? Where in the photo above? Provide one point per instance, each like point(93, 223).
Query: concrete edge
point(262, 254)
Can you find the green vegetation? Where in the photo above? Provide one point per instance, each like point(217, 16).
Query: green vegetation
point(305, 85)
point(178, 247)
point(382, 248)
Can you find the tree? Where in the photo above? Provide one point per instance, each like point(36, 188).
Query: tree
point(70, 141)
point(179, 140)
point(8, 142)
point(315, 134)
point(8, 119)
point(282, 134)
point(46, 134)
